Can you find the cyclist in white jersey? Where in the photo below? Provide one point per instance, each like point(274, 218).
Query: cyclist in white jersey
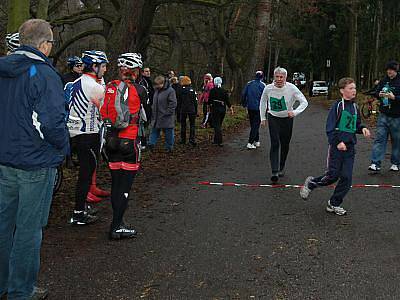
point(85, 96)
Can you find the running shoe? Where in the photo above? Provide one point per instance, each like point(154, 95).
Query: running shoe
point(305, 189)
point(250, 146)
point(394, 168)
point(275, 177)
point(374, 168)
point(123, 231)
point(39, 293)
point(257, 144)
point(82, 218)
point(338, 210)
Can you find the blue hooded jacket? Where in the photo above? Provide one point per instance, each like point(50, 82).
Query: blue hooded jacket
point(252, 93)
point(33, 132)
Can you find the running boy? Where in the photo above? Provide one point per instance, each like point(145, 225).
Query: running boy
point(341, 127)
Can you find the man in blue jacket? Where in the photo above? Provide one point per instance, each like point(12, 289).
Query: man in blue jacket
point(34, 141)
point(251, 99)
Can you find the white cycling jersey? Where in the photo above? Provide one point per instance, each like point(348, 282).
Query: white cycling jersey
point(86, 95)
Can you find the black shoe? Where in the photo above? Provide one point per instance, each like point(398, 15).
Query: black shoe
point(274, 177)
point(82, 218)
point(122, 232)
point(91, 210)
point(182, 142)
point(281, 173)
point(220, 145)
point(194, 144)
point(39, 294)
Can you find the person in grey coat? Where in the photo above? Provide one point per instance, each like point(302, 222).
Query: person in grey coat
point(163, 116)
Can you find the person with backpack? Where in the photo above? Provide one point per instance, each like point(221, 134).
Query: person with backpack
point(218, 101)
point(75, 66)
point(187, 104)
point(342, 125)
point(145, 81)
point(86, 94)
point(164, 106)
point(121, 112)
point(251, 97)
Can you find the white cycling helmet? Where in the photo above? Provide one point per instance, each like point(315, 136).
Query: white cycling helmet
point(130, 60)
point(12, 41)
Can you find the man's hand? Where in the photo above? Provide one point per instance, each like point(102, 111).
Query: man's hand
point(366, 132)
point(291, 114)
point(391, 96)
point(342, 146)
point(264, 123)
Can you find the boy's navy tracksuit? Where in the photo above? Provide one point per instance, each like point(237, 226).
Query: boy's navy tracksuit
point(342, 125)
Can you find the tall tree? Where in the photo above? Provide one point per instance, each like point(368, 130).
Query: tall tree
point(18, 13)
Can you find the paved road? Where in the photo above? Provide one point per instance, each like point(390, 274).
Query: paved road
point(202, 242)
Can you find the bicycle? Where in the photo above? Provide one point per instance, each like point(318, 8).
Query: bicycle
point(368, 108)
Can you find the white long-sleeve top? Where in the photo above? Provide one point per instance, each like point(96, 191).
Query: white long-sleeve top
point(279, 101)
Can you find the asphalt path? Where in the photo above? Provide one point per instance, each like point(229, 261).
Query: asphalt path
point(211, 242)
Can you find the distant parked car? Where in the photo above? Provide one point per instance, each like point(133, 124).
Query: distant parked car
point(319, 88)
point(299, 79)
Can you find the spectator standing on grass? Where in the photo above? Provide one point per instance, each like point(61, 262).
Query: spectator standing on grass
point(251, 97)
point(187, 103)
point(208, 85)
point(218, 101)
point(34, 141)
point(164, 105)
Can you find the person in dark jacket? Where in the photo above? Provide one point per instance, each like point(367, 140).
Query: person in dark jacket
point(388, 94)
point(251, 97)
point(218, 101)
point(34, 141)
point(187, 103)
point(164, 105)
point(75, 66)
point(341, 127)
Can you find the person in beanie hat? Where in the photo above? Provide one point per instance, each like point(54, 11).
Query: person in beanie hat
point(388, 94)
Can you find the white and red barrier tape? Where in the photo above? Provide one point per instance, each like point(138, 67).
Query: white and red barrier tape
point(295, 186)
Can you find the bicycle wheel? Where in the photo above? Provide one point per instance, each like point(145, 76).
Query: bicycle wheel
point(58, 180)
point(365, 112)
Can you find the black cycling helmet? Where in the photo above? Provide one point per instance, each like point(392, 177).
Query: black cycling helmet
point(73, 61)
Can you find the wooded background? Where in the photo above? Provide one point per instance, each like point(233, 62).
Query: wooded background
point(228, 38)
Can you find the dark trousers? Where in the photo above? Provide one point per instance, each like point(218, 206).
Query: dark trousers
point(280, 132)
point(255, 121)
point(87, 149)
point(121, 184)
point(217, 119)
point(192, 124)
point(340, 167)
point(205, 109)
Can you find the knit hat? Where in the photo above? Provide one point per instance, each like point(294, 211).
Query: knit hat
point(185, 80)
point(218, 81)
point(208, 76)
point(392, 65)
point(259, 74)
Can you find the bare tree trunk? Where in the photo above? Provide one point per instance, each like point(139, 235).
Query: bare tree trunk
point(18, 13)
point(377, 37)
point(353, 41)
point(260, 44)
point(43, 8)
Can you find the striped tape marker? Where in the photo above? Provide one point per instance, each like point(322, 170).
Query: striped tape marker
point(294, 186)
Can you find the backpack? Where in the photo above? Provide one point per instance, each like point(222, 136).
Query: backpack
point(115, 109)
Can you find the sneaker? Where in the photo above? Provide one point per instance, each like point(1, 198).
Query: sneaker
point(257, 144)
point(91, 210)
point(340, 211)
point(39, 293)
point(274, 177)
point(394, 168)
point(99, 192)
point(82, 218)
point(92, 198)
point(374, 168)
point(281, 173)
point(250, 146)
point(122, 232)
point(305, 190)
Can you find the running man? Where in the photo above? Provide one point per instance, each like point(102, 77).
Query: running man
point(278, 100)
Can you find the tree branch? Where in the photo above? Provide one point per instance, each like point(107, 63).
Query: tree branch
point(82, 16)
